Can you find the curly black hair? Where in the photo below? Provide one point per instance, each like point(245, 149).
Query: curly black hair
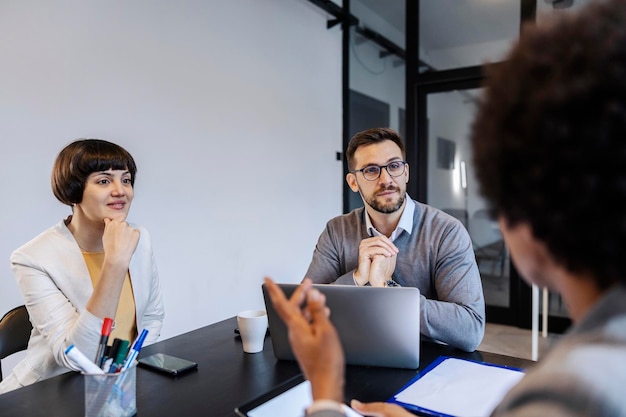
point(549, 139)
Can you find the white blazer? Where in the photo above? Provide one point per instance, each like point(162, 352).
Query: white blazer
point(55, 283)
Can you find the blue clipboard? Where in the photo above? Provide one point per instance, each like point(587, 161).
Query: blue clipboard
point(429, 412)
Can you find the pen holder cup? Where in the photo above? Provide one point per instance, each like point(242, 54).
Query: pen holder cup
point(110, 395)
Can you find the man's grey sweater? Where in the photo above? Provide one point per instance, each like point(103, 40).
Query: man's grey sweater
point(437, 257)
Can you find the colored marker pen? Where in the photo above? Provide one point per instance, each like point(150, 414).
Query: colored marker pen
point(81, 361)
point(111, 352)
point(104, 338)
point(118, 361)
point(132, 355)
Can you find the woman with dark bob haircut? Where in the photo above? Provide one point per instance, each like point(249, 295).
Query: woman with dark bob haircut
point(88, 267)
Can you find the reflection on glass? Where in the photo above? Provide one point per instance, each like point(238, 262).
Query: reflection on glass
point(491, 256)
point(455, 34)
point(377, 76)
point(452, 187)
point(376, 72)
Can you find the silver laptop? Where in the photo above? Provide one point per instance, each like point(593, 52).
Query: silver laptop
point(377, 326)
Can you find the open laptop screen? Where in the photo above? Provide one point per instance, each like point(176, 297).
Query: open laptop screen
point(377, 326)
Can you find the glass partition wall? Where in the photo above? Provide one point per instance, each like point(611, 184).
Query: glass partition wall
point(451, 186)
point(453, 41)
point(416, 66)
point(376, 71)
point(455, 38)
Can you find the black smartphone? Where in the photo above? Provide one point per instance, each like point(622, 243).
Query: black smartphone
point(168, 364)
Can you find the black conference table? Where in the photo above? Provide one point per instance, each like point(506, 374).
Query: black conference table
point(226, 378)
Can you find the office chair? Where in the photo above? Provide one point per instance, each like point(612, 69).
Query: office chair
point(15, 329)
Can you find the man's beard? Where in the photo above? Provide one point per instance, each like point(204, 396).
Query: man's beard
point(390, 207)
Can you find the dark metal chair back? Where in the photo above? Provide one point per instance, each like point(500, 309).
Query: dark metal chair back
point(15, 329)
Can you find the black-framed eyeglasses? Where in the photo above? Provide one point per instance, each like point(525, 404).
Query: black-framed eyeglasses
point(372, 172)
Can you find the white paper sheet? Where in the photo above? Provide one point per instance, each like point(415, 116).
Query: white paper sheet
point(292, 402)
point(460, 388)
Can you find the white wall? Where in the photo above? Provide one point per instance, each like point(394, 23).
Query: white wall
point(232, 110)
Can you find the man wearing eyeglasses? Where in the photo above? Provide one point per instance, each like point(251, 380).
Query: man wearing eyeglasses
point(396, 241)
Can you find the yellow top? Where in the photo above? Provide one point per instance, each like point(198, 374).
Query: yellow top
point(125, 320)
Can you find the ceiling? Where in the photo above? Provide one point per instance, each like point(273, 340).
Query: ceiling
point(473, 21)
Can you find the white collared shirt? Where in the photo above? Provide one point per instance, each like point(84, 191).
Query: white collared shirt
point(405, 223)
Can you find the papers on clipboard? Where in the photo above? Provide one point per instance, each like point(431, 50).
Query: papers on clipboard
point(457, 387)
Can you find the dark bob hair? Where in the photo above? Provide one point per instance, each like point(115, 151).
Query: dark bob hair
point(82, 158)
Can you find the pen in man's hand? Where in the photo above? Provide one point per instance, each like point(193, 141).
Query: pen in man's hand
point(134, 351)
point(104, 338)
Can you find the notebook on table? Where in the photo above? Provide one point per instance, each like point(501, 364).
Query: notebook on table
point(454, 387)
point(377, 326)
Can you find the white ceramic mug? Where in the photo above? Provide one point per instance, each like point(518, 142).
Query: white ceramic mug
point(252, 328)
